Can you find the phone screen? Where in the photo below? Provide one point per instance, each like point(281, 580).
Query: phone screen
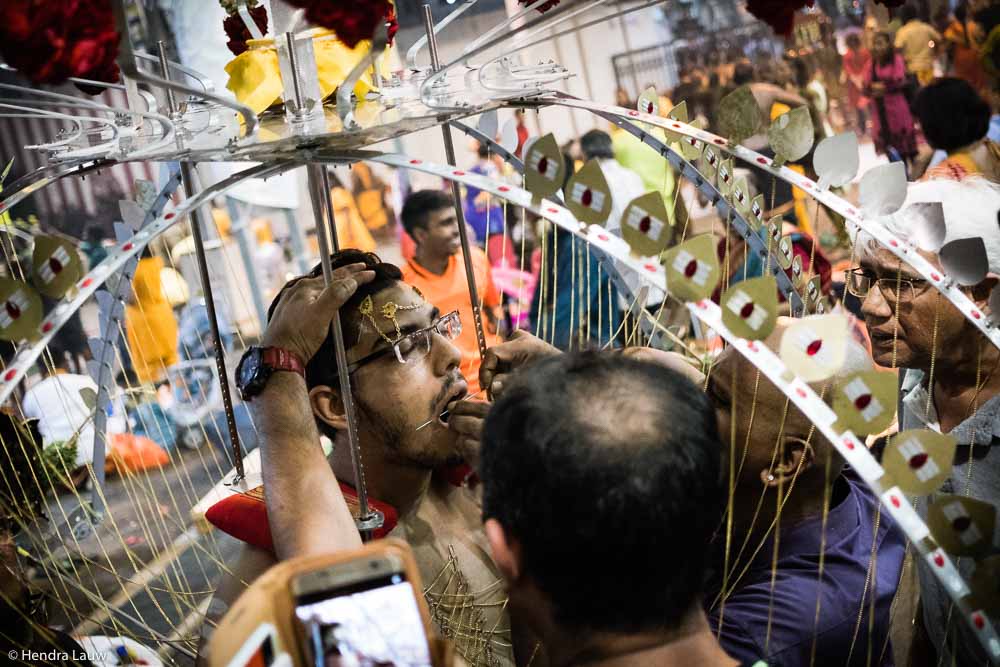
point(367, 623)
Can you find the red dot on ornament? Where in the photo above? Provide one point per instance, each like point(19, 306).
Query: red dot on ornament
point(935, 277)
point(676, 126)
point(47, 327)
point(543, 164)
point(458, 172)
point(503, 188)
point(633, 113)
point(415, 161)
point(801, 393)
point(690, 269)
point(127, 247)
point(702, 305)
point(168, 216)
point(747, 309)
point(762, 160)
point(644, 224)
point(813, 348)
point(720, 141)
point(87, 283)
point(939, 560)
point(650, 267)
point(752, 346)
point(552, 210)
point(807, 185)
point(649, 108)
point(977, 618)
point(895, 501)
point(917, 461)
point(961, 524)
point(586, 197)
point(976, 314)
point(894, 243)
point(10, 375)
point(862, 401)
point(849, 444)
point(604, 237)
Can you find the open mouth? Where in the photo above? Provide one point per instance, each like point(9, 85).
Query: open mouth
point(457, 392)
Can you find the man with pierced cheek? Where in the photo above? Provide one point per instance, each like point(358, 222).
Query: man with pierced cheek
point(404, 371)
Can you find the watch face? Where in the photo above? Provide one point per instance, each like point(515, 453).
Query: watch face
point(248, 371)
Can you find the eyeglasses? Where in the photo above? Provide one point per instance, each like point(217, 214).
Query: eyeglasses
point(413, 347)
point(860, 282)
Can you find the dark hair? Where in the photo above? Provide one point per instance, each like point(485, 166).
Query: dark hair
point(420, 204)
point(802, 72)
point(951, 113)
point(853, 40)
point(482, 150)
point(322, 368)
point(961, 13)
point(907, 13)
point(597, 144)
point(742, 73)
point(599, 463)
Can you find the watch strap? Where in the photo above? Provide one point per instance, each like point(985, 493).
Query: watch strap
point(280, 359)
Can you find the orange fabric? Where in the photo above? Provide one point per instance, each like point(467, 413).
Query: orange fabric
point(133, 453)
point(244, 516)
point(449, 292)
point(351, 229)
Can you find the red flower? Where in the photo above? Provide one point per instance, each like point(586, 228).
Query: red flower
point(51, 41)
point(352, 21)
point(542, 8)
point(237, 31)
point(779, 14)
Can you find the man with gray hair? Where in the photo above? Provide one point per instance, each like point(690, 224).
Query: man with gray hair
point(948, 383)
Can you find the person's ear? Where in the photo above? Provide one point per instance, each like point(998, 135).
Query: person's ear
point(506, 552)
point(798, 456)
point(980, 293)
point(420, 234)
point(327, 406)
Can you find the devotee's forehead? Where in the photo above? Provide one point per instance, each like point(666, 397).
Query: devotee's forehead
point(400, 305)
point(884, 263)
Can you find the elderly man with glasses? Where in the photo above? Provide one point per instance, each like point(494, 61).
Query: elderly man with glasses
point(950, 377)
point(405, 378)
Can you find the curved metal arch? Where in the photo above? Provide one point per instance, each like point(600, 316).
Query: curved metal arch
point(903, 250)
point(414, 51)
point(41, 177)
point(794, 388)
point(76, 120)
point(117, 257)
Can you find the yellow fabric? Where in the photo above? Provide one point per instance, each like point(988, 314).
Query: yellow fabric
point(255, 77)
point(916, 41)
point(150, 323)
point(351, 229)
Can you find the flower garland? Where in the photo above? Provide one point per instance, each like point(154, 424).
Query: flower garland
point(49, 42)
point(352, 21)
point(236, 29)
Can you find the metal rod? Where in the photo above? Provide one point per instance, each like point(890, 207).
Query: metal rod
point(293, 64)
point(463, 234)
point(197, 220)
point(320, 194)
point(165, 71)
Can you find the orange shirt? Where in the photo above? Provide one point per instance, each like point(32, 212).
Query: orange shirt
point(450, 291)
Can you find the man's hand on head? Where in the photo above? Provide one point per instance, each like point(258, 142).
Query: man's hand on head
point(466, 420)
point(501, 360)
point(302, 318)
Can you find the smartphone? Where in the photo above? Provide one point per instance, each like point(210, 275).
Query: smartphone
point(360, 612)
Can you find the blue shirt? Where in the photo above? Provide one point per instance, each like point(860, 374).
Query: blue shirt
point(797, 586)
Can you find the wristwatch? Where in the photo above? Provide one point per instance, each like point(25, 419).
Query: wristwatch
point(259, 363)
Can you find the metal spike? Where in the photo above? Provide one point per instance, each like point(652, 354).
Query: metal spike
point(123, 232)
point(96, 347)
point(132, 213)
point(94, 369)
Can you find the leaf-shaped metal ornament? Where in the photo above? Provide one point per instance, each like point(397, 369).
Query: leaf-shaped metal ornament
point(919, 460)
point(508, 135)
point(645, 225)
point(797, 275)
point(785, 253)
point(57, 265)
point(750, 307)
point(489, 123)
point(691, 147)
point(965, 260)
point(89, 397)
point(20, 310)
point(543, 167)
point(726, 178)
point(883, 189)
point(865, 402)
point(587, 194)
point(756, 216)
point(836, 160)
point(962, 526)
point(710, 161)
point(739, 115)
point(741, 196)
point(791, 135)
point(692, 268)
point(648, 102)
point(926, 219)
point(814, 347)
point(812, 294)
point(680, 114)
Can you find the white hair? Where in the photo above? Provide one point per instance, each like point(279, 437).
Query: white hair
point(971, 208)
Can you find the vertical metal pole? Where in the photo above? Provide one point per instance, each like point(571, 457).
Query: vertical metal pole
point(197, 219)
point(463, 234)
point(319, 193)
point(165, 71)
point(367, 519)
point(241, 230)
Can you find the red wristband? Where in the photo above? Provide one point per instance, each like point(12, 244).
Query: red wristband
point(280, 359)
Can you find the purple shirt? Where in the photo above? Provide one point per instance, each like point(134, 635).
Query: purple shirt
point(849, 530)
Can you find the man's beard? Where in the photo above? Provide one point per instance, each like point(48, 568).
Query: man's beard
point(390, 430)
